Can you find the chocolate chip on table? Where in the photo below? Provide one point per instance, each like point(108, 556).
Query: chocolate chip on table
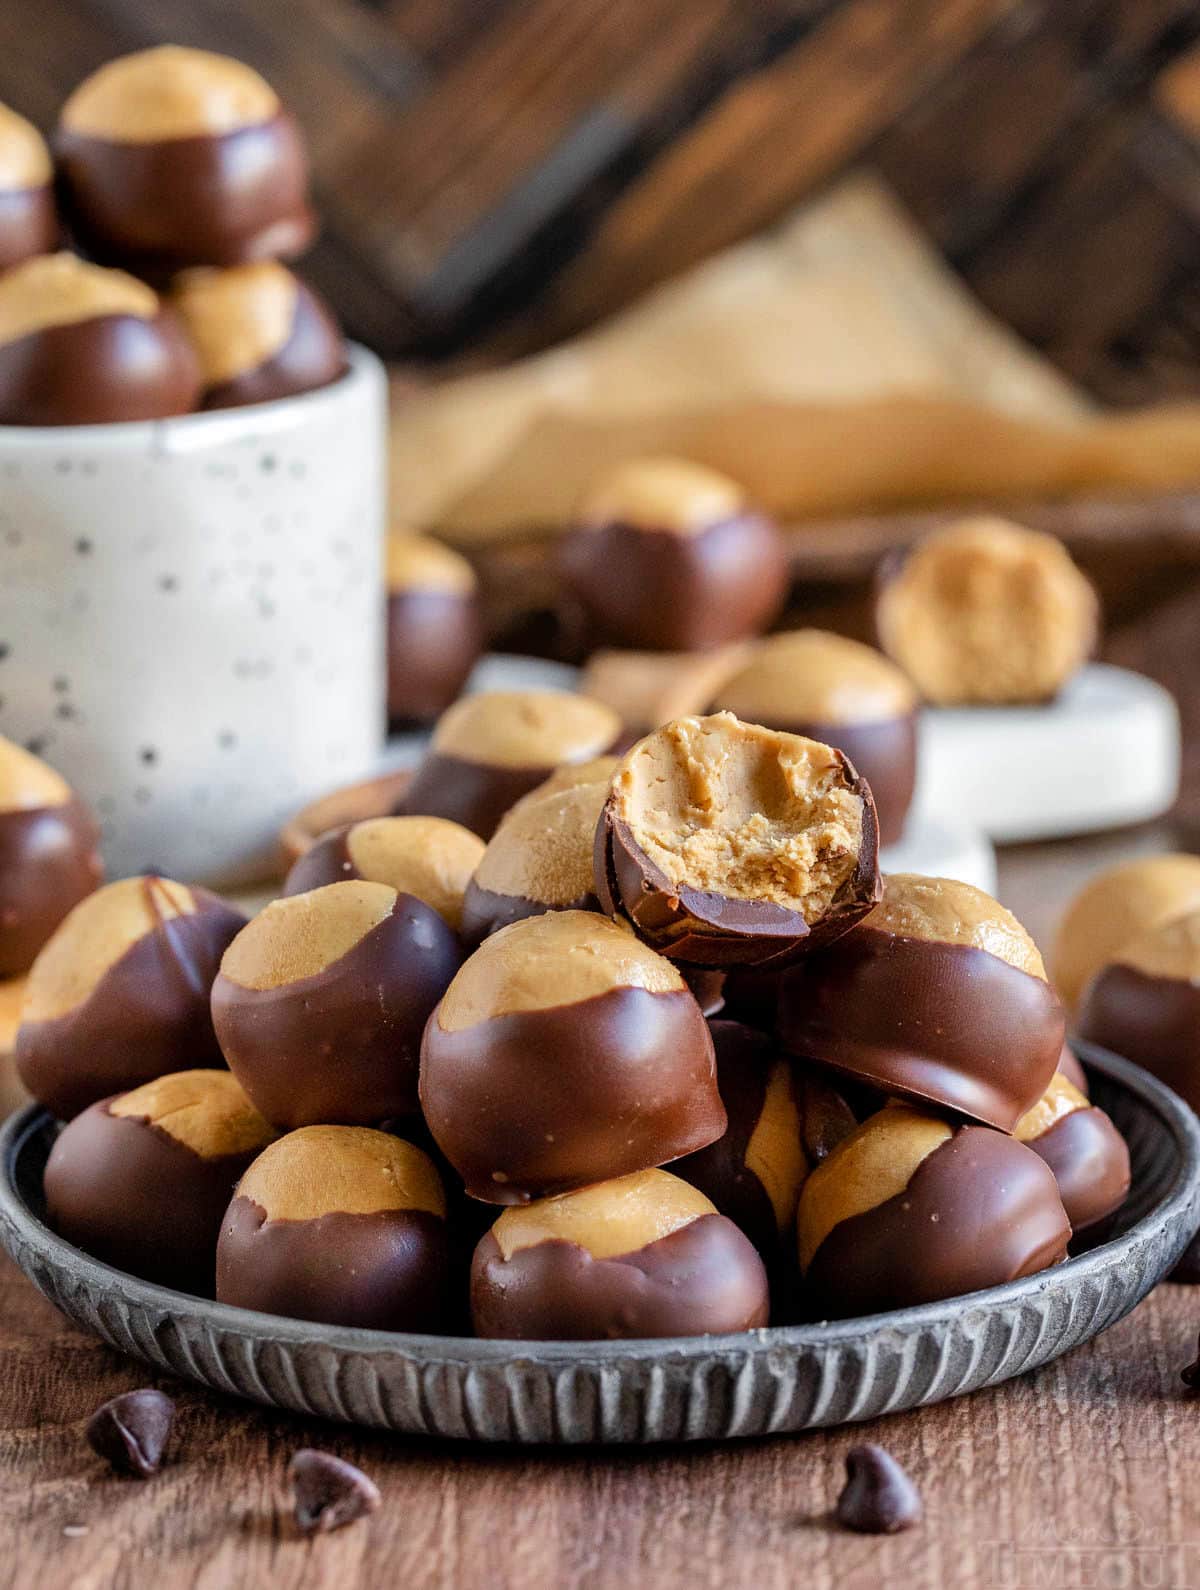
point(131, 1431)
point(329, 1492)
point(1191, 1375)
point(878, 1497)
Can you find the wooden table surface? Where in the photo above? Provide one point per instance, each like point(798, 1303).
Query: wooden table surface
point(1083, 1474)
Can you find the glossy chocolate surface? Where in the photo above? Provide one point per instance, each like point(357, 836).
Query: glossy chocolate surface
point(980, 1210)
point(1072, 1068)
point(704, 1277)
point(475, 794)
point(884, 753)
point(93, 372)
point(537, 1102)
point(486, 911)
point(314, 355)
point(48, 863)
point(434, 639)
point(942, 1024)
point(28, 224)
point(1090, 1162)
point(1154, 1021)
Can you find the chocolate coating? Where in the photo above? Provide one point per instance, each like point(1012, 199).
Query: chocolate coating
point(980, 1210)
point(1071, 1067)
point(705, 1277)
point(1090, 1161)
point(48, 863)
point(475, 794)
point(1152, 1020)
point(28, 224)
point(434, 639)
point(313, 355)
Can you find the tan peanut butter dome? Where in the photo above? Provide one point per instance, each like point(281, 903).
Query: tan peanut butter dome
point(608, 1219)
point(543, 848)
point(742, 811)
point(949, 912)
point(1169, 949)
point(24, 158)
point(1118, 905)
point(168, 92)
point(810, 674)
point(27, 783)
point(422, 563)
point(344, 1170)
point(666, 494)
point(525, 728)
point(1061, 1098)
point(238, 318)
point(875, 1163)
point(430, 858)
point(303, 934)
point(206, 1111)
point(775, 1154)
point(63, 290)
point(545, 961)
point(94, 937)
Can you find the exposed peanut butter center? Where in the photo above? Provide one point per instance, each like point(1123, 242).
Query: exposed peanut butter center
point(24, 157)
point(303, 934)
point(595, 770)
point(647, 689)
point(945, 911)
point(421, 563)
point(1169, 949)
point(663, 494)
point(545, 961)
point(430, 858)
point(745, 812)
point(168, 92)
point(876, 1162)
point(61, 290)
point(12, 997)
point(239, 318)
point(1061, 1098)
point(987, 611)
point(94, 936)
point(341, 1170)
point(774, 1154)
point(543, 849)
point(525, 728)
point(812, 676)
point(206, 1111)
point(607, 1220)
point(1120, 904)
point(27, 783)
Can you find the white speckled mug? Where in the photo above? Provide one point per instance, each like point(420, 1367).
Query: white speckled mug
point(191, 618)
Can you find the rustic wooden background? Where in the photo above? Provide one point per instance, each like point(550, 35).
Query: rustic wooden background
point(497, 173)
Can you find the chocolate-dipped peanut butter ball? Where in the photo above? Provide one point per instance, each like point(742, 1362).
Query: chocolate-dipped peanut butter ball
point(566, 1052)
point(1083, 1148)
point(28, 217)
point(725, 844)
point(539, 859)
point(80, 345)
point(490, 749)
point(261, 333)
point(143, 1180)
point(1118, 905)
point(339, 1224)
point(939, 996)
point(48, 855)
point(842, 693)
point(173, 157)
point(643, 1255)
point(321, 999)
point(1071, 1067)
point(435, 629)
point(427, 857)
point(119, 995)
point(647, 689)
point(909, 1209)
point(987, 613)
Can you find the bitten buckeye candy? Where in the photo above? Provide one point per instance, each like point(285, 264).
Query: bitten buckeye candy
point(986, 612)
point(321, 999)
point(844, 694)
point(490, 749)
point(427, 857)
point(28, 219)
point(727, 844)
point(143, 1180)
point(339, 1224)
point(939, 996)
point(566, 1052)
point(261, 333)
point(119, 995)
point(1083, 1148)
point(644, 1255)
point(84, 346)
point(434, 627)
point(174, 157)
point(48, 855)
point(668, 556)
point(908, 1209)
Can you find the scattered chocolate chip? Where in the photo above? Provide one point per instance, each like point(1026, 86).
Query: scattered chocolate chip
point(329, 1492)
point(132, 1430)
point(1191, 1375)
point(878, 1498)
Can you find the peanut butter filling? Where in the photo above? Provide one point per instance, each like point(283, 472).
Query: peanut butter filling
point(24, 157)
point(239, 318)
point(608, 1219)
point(168, 92)
point(61, 290)
point(810, 675)
point(420, 563)
point(1120, 904)
point(774, 1154)
point(430, 858)
point(341, 1170)
point(27, 783)
point(206, 1111)
point(304, 934)
point(1061, 1098)
point(525, 728)
point(666, 494)
point(945, 911)
point(543, 848)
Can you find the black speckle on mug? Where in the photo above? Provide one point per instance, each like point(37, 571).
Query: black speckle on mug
point(64, 710)
point(63, 466)
point(38, 744)
point(227, 739)
point(13, 538)
point(83, 546)
point(168, 582)
point(60, 685)
point(5, 648)
point(268, 463)
point(148, 756)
